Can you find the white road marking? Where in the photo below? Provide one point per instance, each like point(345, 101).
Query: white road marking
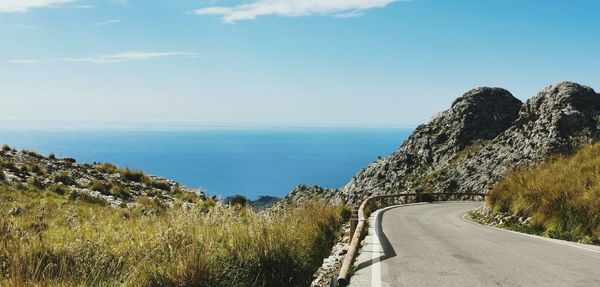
point(376, 253)
point(376, 248)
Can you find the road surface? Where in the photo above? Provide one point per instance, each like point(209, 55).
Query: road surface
point(433, 245)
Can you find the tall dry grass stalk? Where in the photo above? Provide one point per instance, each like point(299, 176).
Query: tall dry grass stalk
point(562, 196)
point(47, 239)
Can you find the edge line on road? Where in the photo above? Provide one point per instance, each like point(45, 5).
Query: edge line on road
point(557, 241)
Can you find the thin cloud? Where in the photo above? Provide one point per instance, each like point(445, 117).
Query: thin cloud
point(110, 59)
point(23, 61)
point(25, 5)
point(108, 22)
point(252, 10)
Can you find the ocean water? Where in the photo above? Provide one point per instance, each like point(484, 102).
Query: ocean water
point(224, 162)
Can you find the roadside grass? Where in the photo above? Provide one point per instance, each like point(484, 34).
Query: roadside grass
point(49, 238)
point(562, 196)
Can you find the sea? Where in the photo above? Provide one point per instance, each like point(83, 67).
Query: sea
point(226, 161)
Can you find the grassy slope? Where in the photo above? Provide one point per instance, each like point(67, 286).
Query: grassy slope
point(49, 239)
point(562, 196)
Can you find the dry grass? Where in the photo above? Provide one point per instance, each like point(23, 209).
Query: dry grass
point(49, 239)
point(562, 196)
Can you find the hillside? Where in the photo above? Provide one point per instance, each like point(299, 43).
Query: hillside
point(261, 203)
point(69, 224)
point(471, 146)
point(559, 198)
point(118, 187)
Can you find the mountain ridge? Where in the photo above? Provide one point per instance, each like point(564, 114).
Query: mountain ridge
point(469, 147)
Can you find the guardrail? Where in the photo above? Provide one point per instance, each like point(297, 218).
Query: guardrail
point(357, 222)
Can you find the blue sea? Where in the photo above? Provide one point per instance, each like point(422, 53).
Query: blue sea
point(225, 161)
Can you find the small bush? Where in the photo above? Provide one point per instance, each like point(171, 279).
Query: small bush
point(131, 175)
point(161, 184)
point(32, 167)
point(345, 212)
point(184, 195)
point(107, 168)
point(425, 198)
point(52, 156)
point(34, 181)
point(8, 166)
point(6, 148)
point(238, 201)
point(207, 204)
point(84, 197)
point(120, 192)
point(64, 178)
point(58, 189)
point(32, 154)
point(104, 188)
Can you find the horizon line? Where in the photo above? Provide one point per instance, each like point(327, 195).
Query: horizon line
point(145, 125)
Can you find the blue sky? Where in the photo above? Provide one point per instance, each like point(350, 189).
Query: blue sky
point(284, 62)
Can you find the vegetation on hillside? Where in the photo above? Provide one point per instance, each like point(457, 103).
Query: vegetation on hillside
point(107, 182)
point(562, 196)
point(60, 238)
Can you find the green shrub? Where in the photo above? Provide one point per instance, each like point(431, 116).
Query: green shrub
point(32, 154)
point(184, 195)
point(238, 201)
point(104, 188)
point(345, 212)
point(131, 175)
point(107, 168)
point(32, 167)
point(58, 189)
point(425, 198)
point(52, 156)
point(120, 192)
point(8, 165)
point(160, 184)
point(6, 148)
point(84, 197)
point(64, 178)
point(34, 181)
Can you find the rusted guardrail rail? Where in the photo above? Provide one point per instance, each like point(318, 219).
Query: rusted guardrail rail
point(357, 223)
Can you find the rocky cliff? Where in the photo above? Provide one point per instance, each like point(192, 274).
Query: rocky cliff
point(469, 147)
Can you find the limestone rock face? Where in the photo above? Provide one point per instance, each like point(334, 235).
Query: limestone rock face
point(559, 120)
point(472, 145)
point(479, 115)
point(303, 192)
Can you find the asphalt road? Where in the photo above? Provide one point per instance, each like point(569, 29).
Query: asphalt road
point(433, 245)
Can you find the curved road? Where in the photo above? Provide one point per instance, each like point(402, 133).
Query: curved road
point(433, 245)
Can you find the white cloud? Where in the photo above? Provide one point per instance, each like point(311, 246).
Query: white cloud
point(113, 58)
point(108, 22)
point(24, 5)
point(248, 11)
point(23, 61)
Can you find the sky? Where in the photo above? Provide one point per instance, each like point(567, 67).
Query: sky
point(282, 62)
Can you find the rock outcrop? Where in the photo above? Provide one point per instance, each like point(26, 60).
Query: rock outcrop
point(469, 147)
